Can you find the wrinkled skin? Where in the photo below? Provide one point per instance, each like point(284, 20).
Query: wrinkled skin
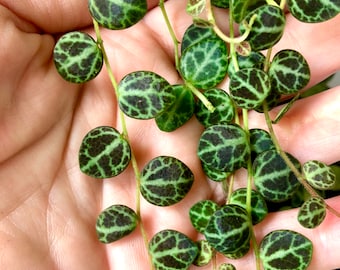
point(48, 208)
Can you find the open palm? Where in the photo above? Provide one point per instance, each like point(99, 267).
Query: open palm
point(49, 208)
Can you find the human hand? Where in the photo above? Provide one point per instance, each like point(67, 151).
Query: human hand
point(49, 208)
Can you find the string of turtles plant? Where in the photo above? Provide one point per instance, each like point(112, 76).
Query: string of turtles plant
point(204, 57)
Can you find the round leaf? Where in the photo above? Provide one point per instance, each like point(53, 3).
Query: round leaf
point(226, 266)
point(165, 181)
point(115, 222)
point(201, 212)
point(77, 57)
point(312, 212)
point(144, 94)
point(104, 153)
point(319, 175)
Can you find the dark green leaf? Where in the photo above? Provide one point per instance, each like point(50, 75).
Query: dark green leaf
point(224, 112)
point(314, 11)
point(228, 229)
point(268, 27)
point(201, 212)
point(144, 94)
point(284, 249)
point(213, 174)
point(172, 250)
point(226, 266)
point(117, 14)
point(224, 147)
point(104, 153)
point(273, 178)
point(77, 57)
point(289, 72)
point(220, 3)
point(115, 222)
point(204, 64)
point(179, 112)
point(312, 212)
point(242, 251)
point(249, 87)
point(319, 175)
point(253, 60)
point(260, 141)
point(165, 181)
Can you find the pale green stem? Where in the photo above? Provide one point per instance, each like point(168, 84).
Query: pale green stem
point(125, 134)
point(200, 96)
point(273, 3)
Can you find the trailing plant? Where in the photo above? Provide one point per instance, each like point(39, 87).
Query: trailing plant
point(204, 58)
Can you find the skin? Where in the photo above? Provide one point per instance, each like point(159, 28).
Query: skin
point(48, 207)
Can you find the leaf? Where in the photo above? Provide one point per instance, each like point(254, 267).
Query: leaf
point(267, 28)
point(260, 141)
point(228, 229)
point(117, 14)
point(213, 174)
point(284, 249)
point(224, 147)
point(259, 208)
point(165, 181)
point(179, 112)
point(204, 64)
point(273, 178)
point(226, 266)
point(314, 12)
point(205, 253)
point(253, 60)
point(289, 72)
point(195, 7)
point(144, 94)
point(172, 250)
point(77, 57)
point(104, 153)
point(201, 212)
point(249, 87)
point(312, 212)
point(115, 222)
point(319, 175)
point(224, 112)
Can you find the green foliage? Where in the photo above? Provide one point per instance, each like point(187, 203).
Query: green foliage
point(224, 147)
point(195, 7)
point(77, 57)
point(259, 208)
point(213, 174)
point(268, 27)
point(260, 141)
point(289, 72)
point(115, 222)
point(319, 175)
point(228, 229)
point(172, 250)
point(104, 153)
point(201, 212)
point(273, 178)
point(179, 112)
point(117, 14)
point(314, 12)
point(312, 212)
point(226, 266)
point(252, 60)
point(220, 3)
point(144, 94)
point(205, 253)
point(284, 249)
point(165, 180)
point(249, 87)
point(204, 64)
point(224, 112)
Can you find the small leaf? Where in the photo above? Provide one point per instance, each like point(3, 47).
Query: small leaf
point(165, 181)
point(179, 112)
point(115, 222)
point(204, 64)
point(259, 208)
point(201, 212)
point(205, 253)
point(317, 11)
point(253, 60)
point(104, 153)
point(312, 212)
point(319, 175)
point(224, 147)
point(172, 250)
point(144, 94)
point(260, 141)
point(242, 251)
point(267, 28)
point(77, 57)
point(117, 14)
point(249, 87)
point(226, 266)
point(213, 174)
point(284, 249)
point(273, 178)
point(289, 72)
point(224, 112)
point(228, 229)
point(195, 7)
